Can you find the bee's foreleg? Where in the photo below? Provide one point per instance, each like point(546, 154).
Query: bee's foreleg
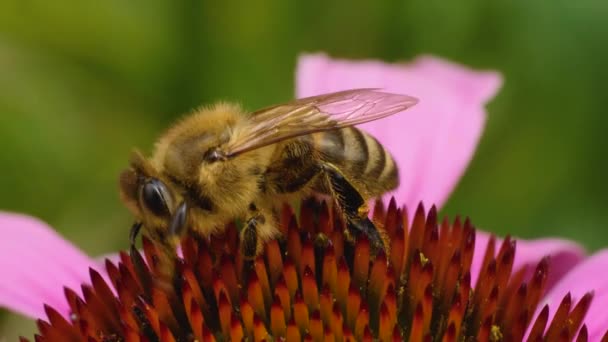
point(249, 237)
point(167, 240)
point(135, 229)
point(352, 204)
point(259, 228)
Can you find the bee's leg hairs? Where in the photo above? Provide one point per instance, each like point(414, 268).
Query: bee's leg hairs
point(260, 226)
point(353, 205)
point(249, 236)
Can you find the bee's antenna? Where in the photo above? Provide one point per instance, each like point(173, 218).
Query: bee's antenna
point(135, 228)
point(178, 222)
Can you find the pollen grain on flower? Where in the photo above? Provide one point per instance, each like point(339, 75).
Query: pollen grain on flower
point(316, 285)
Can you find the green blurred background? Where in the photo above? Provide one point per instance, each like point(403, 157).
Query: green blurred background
point(83, 82)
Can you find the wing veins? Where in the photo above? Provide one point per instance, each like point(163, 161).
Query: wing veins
point(316, 114)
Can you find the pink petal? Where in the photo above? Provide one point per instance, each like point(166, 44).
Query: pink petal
point(432, 142)
point(36, 264)
point(564, 255)
point(585, 277)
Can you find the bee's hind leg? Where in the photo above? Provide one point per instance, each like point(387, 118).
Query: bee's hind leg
point(353, 206)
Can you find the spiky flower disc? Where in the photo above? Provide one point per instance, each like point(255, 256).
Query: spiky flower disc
point(315, 285)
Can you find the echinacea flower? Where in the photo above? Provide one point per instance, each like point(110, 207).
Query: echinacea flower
point(314, 285)
point(439, 280)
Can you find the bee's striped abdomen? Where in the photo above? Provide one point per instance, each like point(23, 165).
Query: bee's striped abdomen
point(361, 157)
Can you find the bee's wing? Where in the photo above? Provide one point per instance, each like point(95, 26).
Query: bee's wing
point(315, 114)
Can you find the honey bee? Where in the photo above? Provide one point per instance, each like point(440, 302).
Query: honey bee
point(221, 163)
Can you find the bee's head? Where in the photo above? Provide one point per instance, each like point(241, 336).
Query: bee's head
point(154, 202)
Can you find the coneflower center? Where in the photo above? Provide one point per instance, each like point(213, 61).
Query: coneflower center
point(314, 284)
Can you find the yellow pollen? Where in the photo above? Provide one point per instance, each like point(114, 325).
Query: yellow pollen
point(495, 334)
point(423, 259)
point(363, 211)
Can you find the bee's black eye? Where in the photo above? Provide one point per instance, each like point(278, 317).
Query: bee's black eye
point(155, 196)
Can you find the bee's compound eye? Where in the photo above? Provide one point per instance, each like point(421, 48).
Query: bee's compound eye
point(155, 197)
